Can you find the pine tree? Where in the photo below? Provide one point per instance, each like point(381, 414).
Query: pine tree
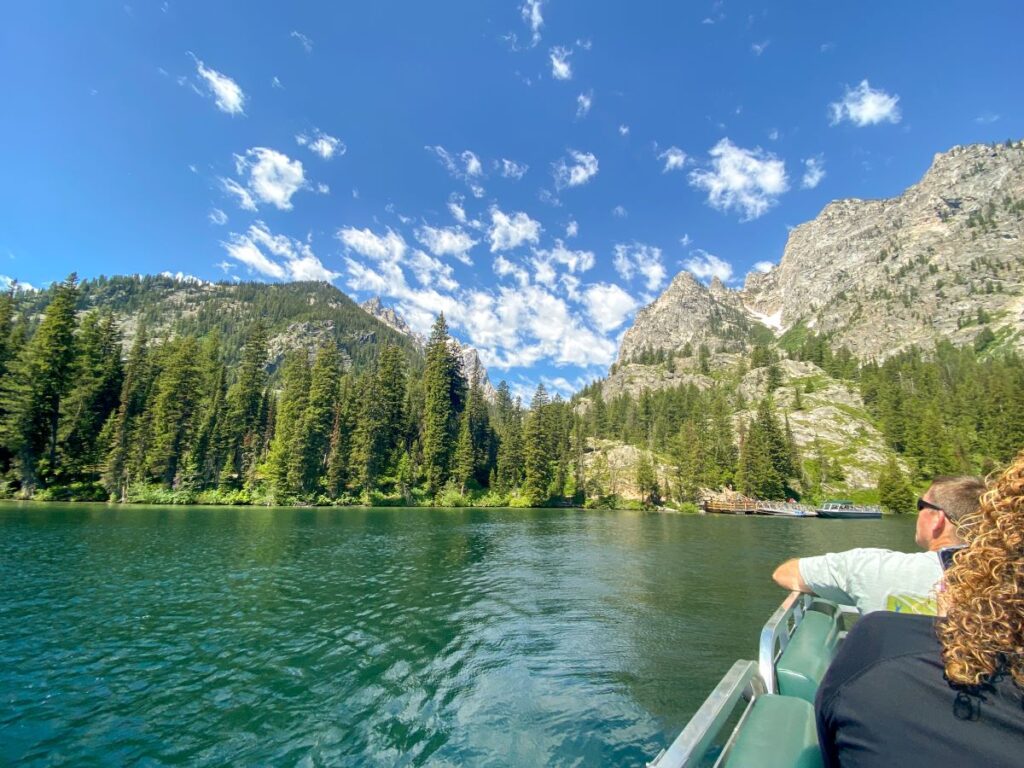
point(444, 386)
point(35, 387)
point(96, 375)
point(464, 459)
point(646, 479)
point(284, 462)
point(206, 457)
point(318, 419)
point(173, 407)
point(341, 439)
point(537, 449)
point(132, 401)
point(243, 432)
point(894, 492)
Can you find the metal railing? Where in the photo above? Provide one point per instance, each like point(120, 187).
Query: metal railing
point(741, 683)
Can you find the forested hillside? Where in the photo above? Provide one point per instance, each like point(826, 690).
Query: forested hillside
point(109, 393)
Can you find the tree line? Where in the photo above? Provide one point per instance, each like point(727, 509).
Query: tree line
point(191, 418)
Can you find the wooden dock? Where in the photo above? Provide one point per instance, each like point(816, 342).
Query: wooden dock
point(746, 506)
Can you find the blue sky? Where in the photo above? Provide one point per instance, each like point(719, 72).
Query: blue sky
point(538, 171)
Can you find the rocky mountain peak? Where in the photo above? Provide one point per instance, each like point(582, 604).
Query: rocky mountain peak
point(935, 262)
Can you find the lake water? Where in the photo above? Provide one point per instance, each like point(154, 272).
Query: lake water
point(387, 637)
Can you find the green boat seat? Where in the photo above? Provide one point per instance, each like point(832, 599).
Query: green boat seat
point(810, 650)
point(778, 732)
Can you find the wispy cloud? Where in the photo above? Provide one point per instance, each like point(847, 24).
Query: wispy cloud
point(561, 69)
point(305, 42)
point(323, 144)
point(511, 231)
point(465, 166)
point(814, 172)
point(986, 118)
point(510, 169)
point(227, 94)
point(533, 17)
point(270, 177)
point(583, 103)
point(758, 48)
point(579, 169)
point(276, 256)
point(447, 241)
point(747, 180)
point(218, 217)
point(706, 265)
point(865, 105)
point(675, 159)
point(640, 259)
point(623, 130)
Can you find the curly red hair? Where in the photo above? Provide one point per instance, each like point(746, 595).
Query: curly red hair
point(983, 634)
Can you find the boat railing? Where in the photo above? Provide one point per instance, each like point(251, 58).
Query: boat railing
point(776, 633)
point(742, 683)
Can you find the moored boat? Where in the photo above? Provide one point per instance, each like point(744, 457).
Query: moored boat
point(847, 510)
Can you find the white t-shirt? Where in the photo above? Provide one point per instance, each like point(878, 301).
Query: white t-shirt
point(875, 579)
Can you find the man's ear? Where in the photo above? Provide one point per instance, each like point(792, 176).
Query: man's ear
point(942, 525)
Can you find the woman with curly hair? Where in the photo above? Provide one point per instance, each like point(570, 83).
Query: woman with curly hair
point(915, 691)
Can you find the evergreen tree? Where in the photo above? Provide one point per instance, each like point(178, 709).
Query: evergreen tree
point(894, 492)
point(95, 393)
point(464, 459)
point(646, 479)
point(35, 387)
point(206, 457)
point(285, 460)
point(444, 386)
point(247, 410)
point(318, 420)
point(173, 407)
point(341, 439)
point(123, 432)
point(537, 449)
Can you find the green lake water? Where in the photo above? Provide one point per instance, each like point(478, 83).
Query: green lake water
point(386, 637)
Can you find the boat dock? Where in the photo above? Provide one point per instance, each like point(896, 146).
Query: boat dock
point(742, 505)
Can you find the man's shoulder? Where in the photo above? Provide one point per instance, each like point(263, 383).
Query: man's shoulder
point(884, 555)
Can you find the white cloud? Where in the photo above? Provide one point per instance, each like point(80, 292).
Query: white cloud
point(227, 94)
point(759, 48)
point(560, 67)
point(245, 200)
point(638, 258)
point(276, 83)
point(574, 261)
point(218, 217)
point(572, 228)
point(225, 266)
point(508, 232)
point(608, 305)
point(505, 268)
point(465, 166)
point(582, 169)
point(764, 266)
point(533, 18)
point(623, 130)
point(675, 159)
point(276, 256)
point(619, 212)
point(458, 212)
point(986, 118)
point(10, 283)
point(814, 172)
point(865, 105)
point(706, 265)
point(583, 103)
point(748, 180)
point(273, 178)
point(323, 144)
point(447, 241)
point(510, 169)
point(773, 134)
point(685, 240)
point(304, 41)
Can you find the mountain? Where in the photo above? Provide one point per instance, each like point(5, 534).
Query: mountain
point(295, 314)
point(942, 262)
point(472, 365)
point(876, 276)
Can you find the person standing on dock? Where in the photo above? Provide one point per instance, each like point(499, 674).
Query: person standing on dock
point(876, 579)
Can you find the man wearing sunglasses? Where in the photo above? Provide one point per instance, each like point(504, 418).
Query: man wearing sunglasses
point(882, 579)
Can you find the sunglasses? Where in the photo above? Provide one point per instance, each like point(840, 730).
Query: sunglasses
point(922, 505)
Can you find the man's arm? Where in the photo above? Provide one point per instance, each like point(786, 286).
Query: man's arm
point(788, 576)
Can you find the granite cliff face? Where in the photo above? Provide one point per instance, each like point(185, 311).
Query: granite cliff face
point(875, 275)
point(880, 275)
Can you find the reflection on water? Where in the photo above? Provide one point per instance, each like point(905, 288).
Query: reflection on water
point(377, 637)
